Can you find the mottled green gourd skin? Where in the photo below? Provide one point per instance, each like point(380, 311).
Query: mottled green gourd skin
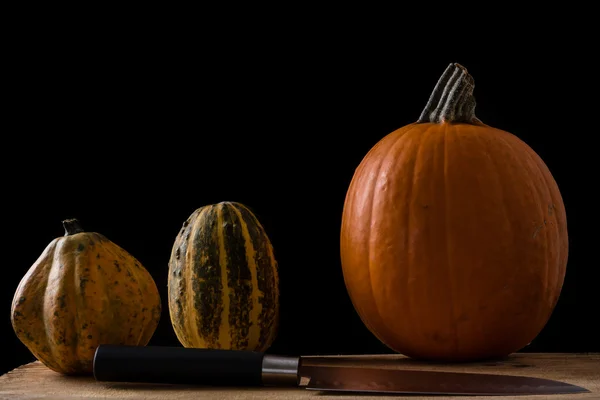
point(82, 291)
point(223, 280)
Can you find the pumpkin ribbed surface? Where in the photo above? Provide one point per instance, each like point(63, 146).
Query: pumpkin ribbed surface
point(82, 291)
point(454, 238)
point(223, 280)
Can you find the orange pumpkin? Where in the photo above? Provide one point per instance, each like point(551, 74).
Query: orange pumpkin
point(454, 234)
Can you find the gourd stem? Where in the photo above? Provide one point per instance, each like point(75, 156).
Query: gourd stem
point(452, 98)
point(72, 226)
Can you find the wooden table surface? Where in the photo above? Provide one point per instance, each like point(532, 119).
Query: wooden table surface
point(35, 381)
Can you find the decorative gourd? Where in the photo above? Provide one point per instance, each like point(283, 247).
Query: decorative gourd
point(454, 235)
point(223, 282)
point(82, 291)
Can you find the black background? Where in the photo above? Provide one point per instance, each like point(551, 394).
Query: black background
point(131, 131)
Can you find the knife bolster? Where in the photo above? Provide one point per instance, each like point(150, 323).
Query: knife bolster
point(280, 370)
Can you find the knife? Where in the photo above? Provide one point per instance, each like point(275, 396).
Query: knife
point(213, 367)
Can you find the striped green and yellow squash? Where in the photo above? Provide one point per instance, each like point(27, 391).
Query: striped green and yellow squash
point(223, 284)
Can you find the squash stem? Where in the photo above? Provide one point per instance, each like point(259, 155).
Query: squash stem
point(452, 98)
point(72, 226)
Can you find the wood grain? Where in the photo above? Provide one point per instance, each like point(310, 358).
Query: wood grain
point(35, 381)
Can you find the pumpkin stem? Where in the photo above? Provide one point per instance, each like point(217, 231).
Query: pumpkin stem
point(452, 98)
point(72, 226)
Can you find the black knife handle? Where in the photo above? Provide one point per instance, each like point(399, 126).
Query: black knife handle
point(158, 364)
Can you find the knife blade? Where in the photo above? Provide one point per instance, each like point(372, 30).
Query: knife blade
point(392, 381)
point(212, 367)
